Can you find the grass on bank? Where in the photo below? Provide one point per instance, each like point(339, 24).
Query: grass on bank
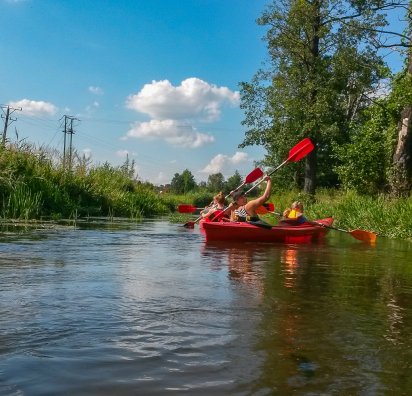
point(34, 185)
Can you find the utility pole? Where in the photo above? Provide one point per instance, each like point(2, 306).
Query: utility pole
point(8, 111)
point(68, 130)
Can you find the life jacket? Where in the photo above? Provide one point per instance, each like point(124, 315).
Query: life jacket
point(294, 215)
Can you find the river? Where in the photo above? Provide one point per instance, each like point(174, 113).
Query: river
point(150, 308)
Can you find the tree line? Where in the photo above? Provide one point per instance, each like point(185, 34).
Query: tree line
point(185, 183)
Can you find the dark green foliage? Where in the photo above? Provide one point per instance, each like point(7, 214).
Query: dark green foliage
point(183, 183)
point(365, 162)
point(216, 182)
point(233, 182)
point(320, 65)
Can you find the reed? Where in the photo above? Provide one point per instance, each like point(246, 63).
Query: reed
point(33, 184)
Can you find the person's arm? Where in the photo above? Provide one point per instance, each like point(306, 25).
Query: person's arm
point(253, 204)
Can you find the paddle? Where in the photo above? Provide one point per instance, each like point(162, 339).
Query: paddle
point(296, 153)
point(187, 208)
point(250, 178)
point(265, 208)
point(365, 236)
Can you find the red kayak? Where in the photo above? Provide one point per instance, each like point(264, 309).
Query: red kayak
point(249, 232)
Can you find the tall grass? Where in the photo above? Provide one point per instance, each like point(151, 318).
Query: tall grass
point(33, 184)
point(21, 203)
point(381, 214)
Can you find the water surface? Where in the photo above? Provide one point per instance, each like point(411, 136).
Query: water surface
point(151, 309)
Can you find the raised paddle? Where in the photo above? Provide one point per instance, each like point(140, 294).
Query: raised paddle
point(296, 153)
point(250, 178)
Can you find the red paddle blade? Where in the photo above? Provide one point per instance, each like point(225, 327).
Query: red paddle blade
point(189, 224)
point(261, 210)
point(265, 208)
point(365, 236)
point(269, 206)
point(186, 208)
point(302, 149)
point(253, 176)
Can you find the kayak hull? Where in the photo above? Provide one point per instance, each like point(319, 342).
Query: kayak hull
point(247, 232)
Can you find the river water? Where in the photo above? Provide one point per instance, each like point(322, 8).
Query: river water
point(151, 309)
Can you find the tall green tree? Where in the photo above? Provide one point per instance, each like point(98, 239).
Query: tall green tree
point(233, 182)
point(183, 183)
point(401, 177)
point(215, 182)
point(320, 67)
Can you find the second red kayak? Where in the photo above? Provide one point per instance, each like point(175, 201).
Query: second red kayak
point(248, 232)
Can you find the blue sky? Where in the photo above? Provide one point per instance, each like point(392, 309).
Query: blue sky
point(155, 80)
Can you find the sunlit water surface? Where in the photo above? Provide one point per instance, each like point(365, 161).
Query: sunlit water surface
point(150, 309)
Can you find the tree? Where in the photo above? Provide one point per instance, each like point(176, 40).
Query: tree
point(233, 182)
point(215, 182)
point(184, 183)
point(401, 182)
point(321, 65)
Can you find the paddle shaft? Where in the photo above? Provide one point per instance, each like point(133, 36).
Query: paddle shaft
point(296, 153)
point(269, 174)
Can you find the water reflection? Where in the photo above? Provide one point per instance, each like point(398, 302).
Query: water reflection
point(157, 310)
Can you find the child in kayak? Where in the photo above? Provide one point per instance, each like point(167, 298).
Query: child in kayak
point(216, 208)
point(294, 214)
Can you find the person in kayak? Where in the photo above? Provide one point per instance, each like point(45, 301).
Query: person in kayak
point(294, 214)
point(212, 211)
point(243, 210)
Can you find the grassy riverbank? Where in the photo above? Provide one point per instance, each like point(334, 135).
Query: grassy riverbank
point(34, 185)
point(381, 214)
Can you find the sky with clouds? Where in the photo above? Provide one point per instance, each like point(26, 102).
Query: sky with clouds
point(156, 80)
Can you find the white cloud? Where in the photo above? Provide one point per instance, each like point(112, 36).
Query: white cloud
point(192, 99)
point(177, 133)
point(87, 153)
point(35, 108)
point(96, 90)
point(122, 153)
point(220, 162)
point(161, 178)
point(93, 106)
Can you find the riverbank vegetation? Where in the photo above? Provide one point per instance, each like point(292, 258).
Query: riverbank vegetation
point(35, 185)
